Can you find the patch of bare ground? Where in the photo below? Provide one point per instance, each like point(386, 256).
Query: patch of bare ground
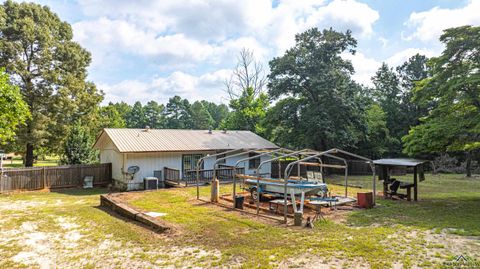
point(67, 242)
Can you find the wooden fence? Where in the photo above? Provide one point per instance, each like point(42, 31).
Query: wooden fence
point(51, 177)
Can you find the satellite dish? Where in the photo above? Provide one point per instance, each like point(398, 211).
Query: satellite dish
point(133, 169)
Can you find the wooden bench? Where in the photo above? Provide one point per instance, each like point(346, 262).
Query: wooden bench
point(408, 187)
point(395, 185)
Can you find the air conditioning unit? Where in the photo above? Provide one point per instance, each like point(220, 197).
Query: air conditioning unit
point(150, 183)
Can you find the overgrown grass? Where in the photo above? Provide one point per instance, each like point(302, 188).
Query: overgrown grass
point(390, 234)
point(258, 244)
point(446, 201)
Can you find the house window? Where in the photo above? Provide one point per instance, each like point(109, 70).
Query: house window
point(189, 161)
point(221, 161)
point(253, 163)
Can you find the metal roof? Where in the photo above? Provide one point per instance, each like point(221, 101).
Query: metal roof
point(156, 140)
point(399, 162)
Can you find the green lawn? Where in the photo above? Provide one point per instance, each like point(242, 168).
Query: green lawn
point(445, 202)
point(18, 162)
point(68, 229)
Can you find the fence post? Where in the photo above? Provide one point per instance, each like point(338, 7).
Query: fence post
point(44, 176)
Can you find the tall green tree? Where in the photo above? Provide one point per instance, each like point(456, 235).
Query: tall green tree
point(136, 117)
point(77, 148)
point(13, 110)
point(154, 115)
point(452, 94)
point(409, 73)
point(37, 50)
point(377, 136)
point(387, 93)
point(248, 111)
point(109, 117)
point(217, 112)
point(312, 83)
point(201, 118)
point(178, 113)
point(122, 108)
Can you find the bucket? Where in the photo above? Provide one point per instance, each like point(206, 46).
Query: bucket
point(239, 199)
point(365, 199)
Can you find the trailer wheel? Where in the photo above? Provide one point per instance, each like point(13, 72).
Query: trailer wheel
point(254, 193)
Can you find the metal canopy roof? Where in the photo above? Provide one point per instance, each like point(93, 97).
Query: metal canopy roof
point(163, 140)
point(399, 162)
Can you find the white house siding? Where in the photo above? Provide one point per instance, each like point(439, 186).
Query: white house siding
point(150, 162)
point(109, 154)
point(208, 163)
point(156, 161)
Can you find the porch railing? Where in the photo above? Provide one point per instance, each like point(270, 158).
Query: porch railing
point(172, 175)
point(224, 174)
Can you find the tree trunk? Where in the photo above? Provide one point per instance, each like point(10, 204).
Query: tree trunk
point(468, 167)
point(29, 155)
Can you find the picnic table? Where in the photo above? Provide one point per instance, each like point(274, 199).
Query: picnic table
point(319, 202)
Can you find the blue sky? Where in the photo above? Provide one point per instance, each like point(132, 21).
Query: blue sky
point(151, 50)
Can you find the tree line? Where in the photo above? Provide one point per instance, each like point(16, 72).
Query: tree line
point(178, 113)
point(308, 98)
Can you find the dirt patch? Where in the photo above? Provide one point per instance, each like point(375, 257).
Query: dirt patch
point(20, 205)
point(48, 240)
point(309, 261)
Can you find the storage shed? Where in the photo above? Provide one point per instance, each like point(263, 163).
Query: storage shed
point(153, 150)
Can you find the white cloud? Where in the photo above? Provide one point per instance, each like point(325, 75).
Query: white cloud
point(292, 17)
point(204, 87)
point(110, 35)
point(402, 56)
point(175, 28)
point(178, 38)
point(428, 25)
point(365, 67)
point(346, 15)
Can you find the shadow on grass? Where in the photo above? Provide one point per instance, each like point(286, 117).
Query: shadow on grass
point(80, 191)
point(459, 215)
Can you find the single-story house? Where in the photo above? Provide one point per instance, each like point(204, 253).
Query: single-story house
point(153, 149)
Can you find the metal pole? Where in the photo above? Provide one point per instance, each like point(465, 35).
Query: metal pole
point(197, 181)
point(346, 179)
point(286, 176)
point(200, 161)
point(285, 202)
point(298, 171)
point(374, 183)
point(246, 159)
point(226, 157)
point(258, 192)
point(277, 158)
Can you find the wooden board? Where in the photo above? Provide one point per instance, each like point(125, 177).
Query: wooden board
point(323, 165)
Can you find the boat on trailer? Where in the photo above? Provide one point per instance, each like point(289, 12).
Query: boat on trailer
point(277, 186)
